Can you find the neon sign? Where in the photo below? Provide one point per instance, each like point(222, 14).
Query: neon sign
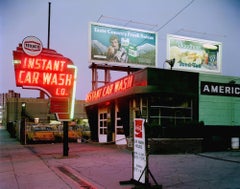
point(32, 45)
point(110, 89)
point(50, 72)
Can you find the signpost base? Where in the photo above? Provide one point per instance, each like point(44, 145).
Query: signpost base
point(143, 180)
point(65, 138)
point(139, 185)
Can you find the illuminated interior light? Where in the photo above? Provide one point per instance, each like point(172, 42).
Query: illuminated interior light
point(16, 61)
point(74, 90)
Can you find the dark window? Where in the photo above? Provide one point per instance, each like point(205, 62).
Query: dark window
point(170, 111)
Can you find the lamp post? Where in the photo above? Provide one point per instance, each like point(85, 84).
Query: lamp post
point(23, 124)
point(171, 62)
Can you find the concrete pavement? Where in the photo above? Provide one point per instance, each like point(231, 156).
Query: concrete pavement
point(22, 169)
point(88, 165)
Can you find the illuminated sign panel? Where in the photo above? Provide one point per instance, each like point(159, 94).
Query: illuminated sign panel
point(122, 46)
point(110, 89)
point(193, 54)
point(50, 72)
point(220, 89)
point(32, 46)
point(139, 155)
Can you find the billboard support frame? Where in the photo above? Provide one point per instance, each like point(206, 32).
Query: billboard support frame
point(107, 69)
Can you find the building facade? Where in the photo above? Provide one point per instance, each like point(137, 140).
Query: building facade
point(3, 104)
point(32, 109)
point(175, 104)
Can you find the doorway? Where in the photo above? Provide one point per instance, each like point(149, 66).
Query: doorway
point(103, 127)
point(119, 131)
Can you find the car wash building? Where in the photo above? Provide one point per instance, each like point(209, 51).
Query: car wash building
point(187, 100)
point(175, 104)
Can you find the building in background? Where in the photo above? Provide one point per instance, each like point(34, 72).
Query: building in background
point(3, 104)
point(13, 108)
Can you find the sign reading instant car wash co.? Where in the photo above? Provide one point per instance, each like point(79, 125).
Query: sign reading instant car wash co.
point(46, 70)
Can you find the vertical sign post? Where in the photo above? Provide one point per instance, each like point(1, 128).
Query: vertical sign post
point(46, 70)
point(65, 138)
point(139, 156)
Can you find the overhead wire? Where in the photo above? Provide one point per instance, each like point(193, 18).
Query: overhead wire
point(171, 19)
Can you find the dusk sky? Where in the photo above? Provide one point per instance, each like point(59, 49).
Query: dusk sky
point(215, 20)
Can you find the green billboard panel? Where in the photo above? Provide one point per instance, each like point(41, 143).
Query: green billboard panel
point(122, 46)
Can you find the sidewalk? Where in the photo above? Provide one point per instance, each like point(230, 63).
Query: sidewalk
point(42, 166)
point(21, 169)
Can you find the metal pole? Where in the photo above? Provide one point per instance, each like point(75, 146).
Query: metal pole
point(65, 138)
point(49, 24)
point(42, 94)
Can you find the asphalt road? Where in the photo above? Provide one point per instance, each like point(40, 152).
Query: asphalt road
point(91, 165)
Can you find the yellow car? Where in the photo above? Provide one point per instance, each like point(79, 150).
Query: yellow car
point(39, 133)
point(73, 133)
point(85, 132)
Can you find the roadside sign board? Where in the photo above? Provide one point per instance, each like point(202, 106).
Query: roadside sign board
point(139, 156)
point(46, 70)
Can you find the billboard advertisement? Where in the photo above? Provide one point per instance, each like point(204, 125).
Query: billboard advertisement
point(193, 54)
point(122, 46)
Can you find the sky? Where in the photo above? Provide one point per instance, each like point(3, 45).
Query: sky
point(215, 20)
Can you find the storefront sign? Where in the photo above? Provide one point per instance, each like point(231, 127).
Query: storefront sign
point(48, 71)
point(220, 89)
point(122, 46)
point(194, 54)
point(32, 46)
point(111, 89)
point(139, 157)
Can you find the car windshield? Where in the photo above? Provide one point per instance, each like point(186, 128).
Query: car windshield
point(42, 129)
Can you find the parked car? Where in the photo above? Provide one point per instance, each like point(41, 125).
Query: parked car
point(84, 132)
point(73, 133)
point(40, 133)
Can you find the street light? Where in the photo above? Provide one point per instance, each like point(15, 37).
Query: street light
point(171, 62)
point(23, 112)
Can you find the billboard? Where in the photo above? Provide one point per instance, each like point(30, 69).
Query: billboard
point(46, 70)
point(193, 54)
point(122, 46)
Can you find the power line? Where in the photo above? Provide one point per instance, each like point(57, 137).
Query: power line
point(126, 21)
point(179, 12)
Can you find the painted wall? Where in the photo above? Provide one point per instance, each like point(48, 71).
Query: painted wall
point(216, 109)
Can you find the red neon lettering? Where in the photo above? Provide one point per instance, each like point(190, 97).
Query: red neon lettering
point(130, 81)
point(97, 94)
point(61, 92)
point(43, 64)
point(94, 95)
point(117, 86)
point(61, 79)
point(68, 79)
point(57, 79)
point(28, 77)
point(123, 84)
point(20, 76)
point(107, 90)
point(54, 79)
